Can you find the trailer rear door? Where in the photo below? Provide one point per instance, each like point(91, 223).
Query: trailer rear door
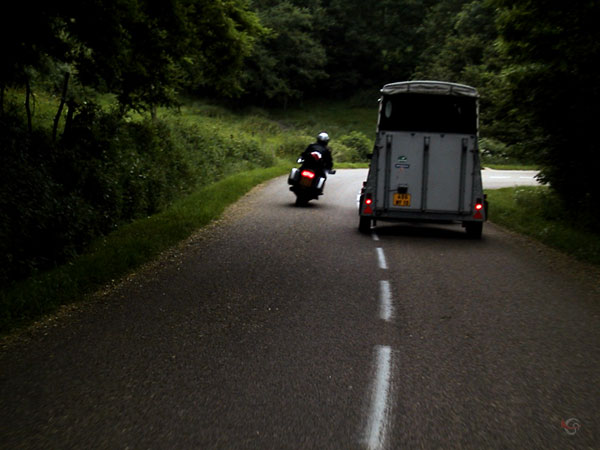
point(426, 162)
point(426, 172)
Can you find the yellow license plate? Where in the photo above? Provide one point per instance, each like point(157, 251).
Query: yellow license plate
point(401, 199)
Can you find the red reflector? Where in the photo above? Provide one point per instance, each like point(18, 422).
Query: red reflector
point(307, 174)
point(478, 208)
point(368, 203)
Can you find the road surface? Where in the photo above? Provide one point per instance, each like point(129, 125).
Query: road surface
point(495, 179)
point(283, 327)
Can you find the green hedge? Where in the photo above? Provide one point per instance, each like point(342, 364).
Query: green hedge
point(105, 171)
point(112, 256)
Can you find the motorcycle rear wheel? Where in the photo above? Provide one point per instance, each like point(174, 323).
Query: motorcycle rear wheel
point(301, 200)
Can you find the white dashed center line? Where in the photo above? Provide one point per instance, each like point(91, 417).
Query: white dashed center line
point(385, 300)
point(381, 258)
point(378, 415)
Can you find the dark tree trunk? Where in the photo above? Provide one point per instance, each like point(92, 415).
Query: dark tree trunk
point(70, 111)
point(63, 99)
point(27, 104)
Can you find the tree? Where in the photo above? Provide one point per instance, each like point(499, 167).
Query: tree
point(459, 35)
point(289, 59)
point(553, 47)
point(143, 52)
point(368, 46)
point(224, 34)
point(352, 45)
point(461, 47)
point(29, 38)
point(403, 36)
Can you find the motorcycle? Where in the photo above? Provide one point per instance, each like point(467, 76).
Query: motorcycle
point(308, 181)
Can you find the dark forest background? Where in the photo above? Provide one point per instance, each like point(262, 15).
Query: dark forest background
point(66, 180)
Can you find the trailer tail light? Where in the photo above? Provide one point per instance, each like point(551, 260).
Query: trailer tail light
point(368, 202)
point(308, 174)
point(478, 209)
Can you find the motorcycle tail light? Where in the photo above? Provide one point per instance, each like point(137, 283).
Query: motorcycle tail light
point(308, 174)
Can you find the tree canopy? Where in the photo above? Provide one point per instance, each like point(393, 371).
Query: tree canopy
point(531, 61)
point(143, 52)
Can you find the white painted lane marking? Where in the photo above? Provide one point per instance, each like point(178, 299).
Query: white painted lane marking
point(385, 300)
point(381, 258)
point(378, 415)
point(374, 236)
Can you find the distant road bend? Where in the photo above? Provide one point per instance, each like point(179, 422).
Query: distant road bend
point(495, 179)
point(284, 327)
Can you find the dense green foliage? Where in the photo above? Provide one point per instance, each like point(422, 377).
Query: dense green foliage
point(143, 52)
point(89, 165)
point(552, 48)
point(83, 150)
point(56, 197)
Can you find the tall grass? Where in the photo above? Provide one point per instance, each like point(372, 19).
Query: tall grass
point(122, 251)
point(537, 212)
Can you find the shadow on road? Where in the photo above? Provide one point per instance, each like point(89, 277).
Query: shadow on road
point(314, 204)
point(425, 230)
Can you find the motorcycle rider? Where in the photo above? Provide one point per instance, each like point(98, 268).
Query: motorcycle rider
point(317, 156)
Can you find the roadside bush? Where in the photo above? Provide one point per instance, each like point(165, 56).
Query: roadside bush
point(55, 197)
point(209, 110)
point(348, 148)
point(359, 143)
point(28, 199)
point(494, 151)
point(260, 125)
point(292, 145)
point(342, 154)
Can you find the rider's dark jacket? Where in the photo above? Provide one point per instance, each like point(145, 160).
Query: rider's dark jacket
point(324, 164)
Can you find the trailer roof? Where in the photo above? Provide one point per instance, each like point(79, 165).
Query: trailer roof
point(429, 87)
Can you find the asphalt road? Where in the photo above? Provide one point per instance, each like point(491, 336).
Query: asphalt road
point(283, 327)
point(495, 179)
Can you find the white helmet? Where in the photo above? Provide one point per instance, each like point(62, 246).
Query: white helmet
point(323, 137)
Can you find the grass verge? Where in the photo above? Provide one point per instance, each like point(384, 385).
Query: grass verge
point(511, 166)
point(122, 251)
point(536, 212)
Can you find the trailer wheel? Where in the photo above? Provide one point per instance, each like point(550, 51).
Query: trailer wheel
point(474, 229)
point(364, 224)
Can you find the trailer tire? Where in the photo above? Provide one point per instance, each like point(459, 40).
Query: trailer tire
point(364, 224)
point(474, 229)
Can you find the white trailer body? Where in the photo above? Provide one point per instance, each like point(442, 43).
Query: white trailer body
point(425, 164)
